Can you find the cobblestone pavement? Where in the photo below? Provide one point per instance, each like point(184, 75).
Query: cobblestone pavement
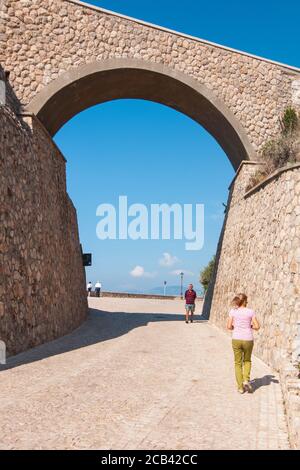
point(132, 380)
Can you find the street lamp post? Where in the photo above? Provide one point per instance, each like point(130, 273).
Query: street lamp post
point(181, 284)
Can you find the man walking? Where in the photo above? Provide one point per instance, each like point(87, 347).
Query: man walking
point(89, 288)
point(190, 296)
point(98, 286)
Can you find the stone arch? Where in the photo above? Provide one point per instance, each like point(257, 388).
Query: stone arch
point(97, 82)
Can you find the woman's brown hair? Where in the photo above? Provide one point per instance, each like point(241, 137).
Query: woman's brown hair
point(239, 300)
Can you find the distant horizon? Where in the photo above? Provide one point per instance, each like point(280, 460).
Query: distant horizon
point(158, 290)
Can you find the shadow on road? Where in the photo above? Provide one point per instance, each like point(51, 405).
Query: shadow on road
point(99, 326)
point(263, 382)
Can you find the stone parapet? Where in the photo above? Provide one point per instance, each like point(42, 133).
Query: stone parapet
point(135, 295)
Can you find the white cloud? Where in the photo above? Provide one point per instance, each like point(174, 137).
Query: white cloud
point(139, 271)
point(168, 260)
point(184, 271)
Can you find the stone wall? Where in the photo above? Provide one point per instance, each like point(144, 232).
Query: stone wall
point(40, 40)
point(40, 297)
point(259, 254)
point(135, 296)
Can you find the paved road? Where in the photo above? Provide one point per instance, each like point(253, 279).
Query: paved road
point(132, 380)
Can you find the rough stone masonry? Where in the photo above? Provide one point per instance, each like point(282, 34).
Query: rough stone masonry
point(259, 253)
point(42, 282)
point(41, 40)
point(43, 45)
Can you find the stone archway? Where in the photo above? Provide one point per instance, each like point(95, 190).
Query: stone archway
point(97, 56)
point(111, 79)
point(64, 56)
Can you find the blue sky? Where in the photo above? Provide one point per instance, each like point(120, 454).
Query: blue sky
point(154, 154)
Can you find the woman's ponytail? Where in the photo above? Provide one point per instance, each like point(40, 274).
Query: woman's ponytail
point(239, 300)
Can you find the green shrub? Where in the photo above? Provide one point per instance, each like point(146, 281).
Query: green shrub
point(282, 151)
point(289, 121)
point(277, 153)
point(206, 274)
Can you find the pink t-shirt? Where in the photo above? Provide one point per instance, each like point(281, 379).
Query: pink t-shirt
point(242, 318)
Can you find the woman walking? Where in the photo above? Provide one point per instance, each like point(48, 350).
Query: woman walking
point(242, 321)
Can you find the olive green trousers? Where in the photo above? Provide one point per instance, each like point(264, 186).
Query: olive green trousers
point(242, 350)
